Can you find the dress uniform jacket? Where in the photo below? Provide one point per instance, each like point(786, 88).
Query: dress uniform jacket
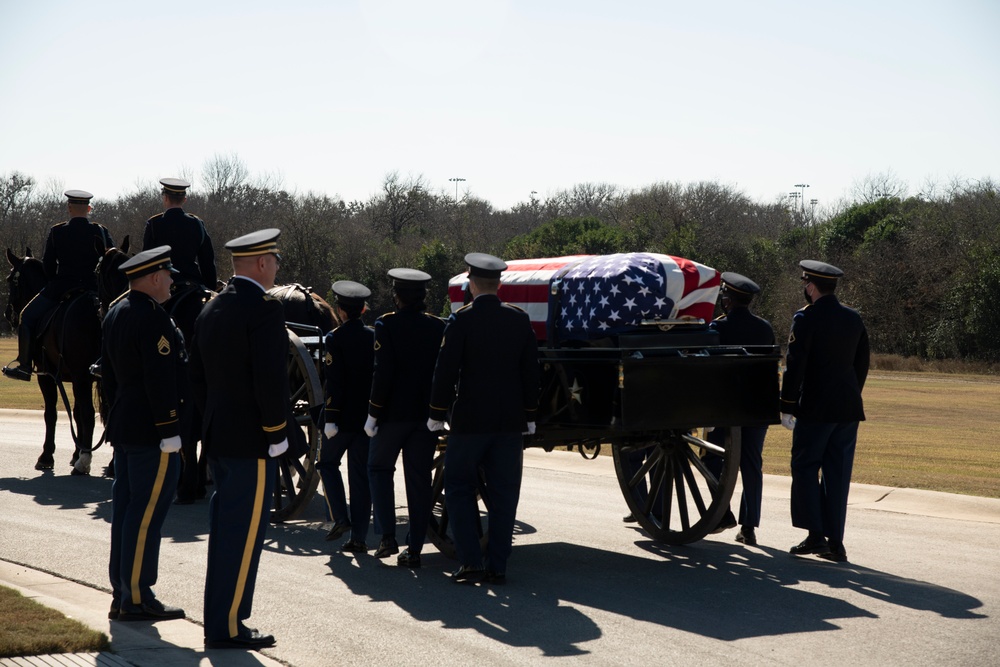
point(350, 361)
point(741, 327)
point(826, 364)
point(236, 340)
point(191, 250)
point(406, 347)
point(72, 251)
point(144, 374)
point(481, 341)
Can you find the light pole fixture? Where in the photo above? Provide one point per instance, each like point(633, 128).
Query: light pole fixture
point(456, 181)
point(802, 188)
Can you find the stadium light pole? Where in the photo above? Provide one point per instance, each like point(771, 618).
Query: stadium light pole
point(793, 196)
point(802, 188)
point(457, 181)
point(812, 208)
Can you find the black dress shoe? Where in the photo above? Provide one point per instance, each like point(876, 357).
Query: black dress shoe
point(810, 545)
point(116, 608)
point(339, 528)
point(468, 574)
point(747, 536)
point(408, 559)
point(494, 578)
point(354, 546)
point(387, 547)
point(726, 522)
point(837, 553)
point(247, 639)
point(629, 518)
point(153, 610)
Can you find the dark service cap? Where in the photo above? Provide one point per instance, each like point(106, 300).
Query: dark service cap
point(735, 282)
point(485, 266)
point(409, 277)
point(148, 261)
point(350, 293)
point(176, 186)
point(78, 196)
point(262, 242)
point(813, 269)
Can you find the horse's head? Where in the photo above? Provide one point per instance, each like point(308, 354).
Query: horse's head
point(111, 283)
point(25, 280)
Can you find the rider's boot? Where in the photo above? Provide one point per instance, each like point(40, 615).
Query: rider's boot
point(22, 371)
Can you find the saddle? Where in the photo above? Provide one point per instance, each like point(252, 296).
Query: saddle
point(66, 300)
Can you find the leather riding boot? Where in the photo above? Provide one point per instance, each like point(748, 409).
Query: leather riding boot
point(23, 369)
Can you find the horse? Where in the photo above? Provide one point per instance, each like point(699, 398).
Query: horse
point(304, 306)
point(66, 345)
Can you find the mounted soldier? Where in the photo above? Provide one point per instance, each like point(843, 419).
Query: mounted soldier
point(72, 251)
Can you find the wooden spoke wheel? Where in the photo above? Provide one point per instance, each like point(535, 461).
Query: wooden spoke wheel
point(438, 528)
point(669, 485)
point(297, 475)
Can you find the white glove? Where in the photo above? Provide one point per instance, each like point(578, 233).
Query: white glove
point(434, 425)
point(788, 421)
point(278, 449)
point(171, 444)
point(370, 428)
point(330, 430)
point(531, 429)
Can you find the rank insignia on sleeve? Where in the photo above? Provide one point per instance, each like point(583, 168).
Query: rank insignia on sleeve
point(328, 358)
point(378, 345)
point(163, 346)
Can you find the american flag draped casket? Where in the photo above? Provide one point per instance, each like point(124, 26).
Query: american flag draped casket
point(582, 297)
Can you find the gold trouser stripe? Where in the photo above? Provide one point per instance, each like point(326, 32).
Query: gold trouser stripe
point(147, 516)
point(241, 581)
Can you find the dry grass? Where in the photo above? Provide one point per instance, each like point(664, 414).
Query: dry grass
point(29, 628)
point(924, 430)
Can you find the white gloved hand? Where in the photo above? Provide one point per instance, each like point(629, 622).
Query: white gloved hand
point(531, 429)
point(278, 449)
point(171, 444)
point(434, 425)
point(370, 426)
point(788, 421)
point(330, 430)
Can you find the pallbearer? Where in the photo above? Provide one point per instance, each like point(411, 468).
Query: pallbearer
point(486, 384)
point(349, 360)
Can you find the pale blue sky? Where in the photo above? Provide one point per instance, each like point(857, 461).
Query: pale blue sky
point(514, 96)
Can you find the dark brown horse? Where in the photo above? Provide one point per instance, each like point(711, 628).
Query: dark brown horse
point(66, 345)
point(304, 306)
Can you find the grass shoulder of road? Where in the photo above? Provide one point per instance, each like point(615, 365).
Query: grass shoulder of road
point(29, 628)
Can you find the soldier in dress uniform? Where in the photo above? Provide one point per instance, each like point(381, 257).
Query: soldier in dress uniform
point(486, 384)
point(191, 246)
point(193, 257)
point(738, 326)
point(826, 367)
point(350, 360)
point(72, 251)
point(238, 372)
point(406, 346)
point(144, 381)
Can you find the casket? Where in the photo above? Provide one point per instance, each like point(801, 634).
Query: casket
point(583, 297)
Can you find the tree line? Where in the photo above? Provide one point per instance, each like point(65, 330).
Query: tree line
point(922, 269)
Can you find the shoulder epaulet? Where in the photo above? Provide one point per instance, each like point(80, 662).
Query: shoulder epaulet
point(466, 306)
point(720, 318)
point(515, 307)
point(117, 299)
point(433, 317)
point(385, 315)
point(60, 224)
point(155, 217)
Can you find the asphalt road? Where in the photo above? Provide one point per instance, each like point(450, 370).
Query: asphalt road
point(922, 587)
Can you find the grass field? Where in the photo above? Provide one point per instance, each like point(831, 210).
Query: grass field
point(934, 431)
